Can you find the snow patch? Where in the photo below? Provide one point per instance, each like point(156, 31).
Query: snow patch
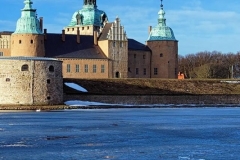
point(76, 86)
point(231, 82)
point(86, 103)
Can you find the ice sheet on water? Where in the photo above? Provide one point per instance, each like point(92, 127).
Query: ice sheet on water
point(76, 86)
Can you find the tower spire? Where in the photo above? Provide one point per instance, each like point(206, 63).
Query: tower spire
point(28, 6)
point(161, 13)
point(90, 2)
point(161, 4)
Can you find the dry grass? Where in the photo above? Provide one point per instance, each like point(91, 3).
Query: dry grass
point(154, 86)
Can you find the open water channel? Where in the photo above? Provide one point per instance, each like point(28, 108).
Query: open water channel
point(122, 134)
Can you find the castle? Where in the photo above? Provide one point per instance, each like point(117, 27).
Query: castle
point(89, 47)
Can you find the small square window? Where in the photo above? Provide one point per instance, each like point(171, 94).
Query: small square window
point(161, 55)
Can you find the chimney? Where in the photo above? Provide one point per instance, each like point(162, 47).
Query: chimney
point(45, 34)
point(63, 35)
point(41, 23)
point(78, 35)
point(149, 29)
point(95, 38)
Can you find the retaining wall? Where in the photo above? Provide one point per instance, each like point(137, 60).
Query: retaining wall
point(157, 99)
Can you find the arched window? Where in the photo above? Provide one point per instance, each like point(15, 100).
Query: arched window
point(51, 69)
point(24, 67)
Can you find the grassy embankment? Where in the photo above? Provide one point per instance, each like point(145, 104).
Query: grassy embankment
point(154, 86)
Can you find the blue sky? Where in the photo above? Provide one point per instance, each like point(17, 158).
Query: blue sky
point(199, 25)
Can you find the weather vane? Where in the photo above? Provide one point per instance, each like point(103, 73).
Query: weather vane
point(161, 4)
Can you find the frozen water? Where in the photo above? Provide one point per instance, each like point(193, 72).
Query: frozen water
point(122, 134)
point(76, 86)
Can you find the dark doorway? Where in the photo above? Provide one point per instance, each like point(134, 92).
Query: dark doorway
point(117, 75)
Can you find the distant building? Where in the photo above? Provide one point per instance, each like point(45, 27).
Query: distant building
point(92, 47)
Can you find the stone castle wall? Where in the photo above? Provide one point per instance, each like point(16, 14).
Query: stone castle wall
point(73, 72)
point(28, 45)
point(158, 99)
point(139, 64)
point(164, 58)
point(30, 82)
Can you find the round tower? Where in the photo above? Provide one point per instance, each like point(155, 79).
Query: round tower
point(164, 48)
point(28, 39)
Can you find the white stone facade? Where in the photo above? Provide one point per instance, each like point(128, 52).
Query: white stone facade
point(30, 81)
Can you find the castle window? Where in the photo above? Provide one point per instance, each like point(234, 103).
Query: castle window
point(86, 68)
point(51, 69)
point(68, 29)
point(88, 27)
point(24, 67)
point(77, 68)
point(41, 41)
point(135, 56)
point(129, 69)
point(137, 71)
point(144, 71)
point(31, 41)
point(155, 71)
point(1, 53)
point(7, 79)
point(72, 29)
point(102, 68)
point(20, 41)
point(68, 68)
point(114, 43)
point(82, 28)
point(121, 44)
point(48, 98)
point(94, 68)
point(144, 56)
point(161, 55)
point(48, 81)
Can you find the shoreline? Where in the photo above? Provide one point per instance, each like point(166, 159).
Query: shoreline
point(65, 107)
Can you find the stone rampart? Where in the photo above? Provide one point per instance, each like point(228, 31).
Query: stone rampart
point(30, 81)
point(157, 99)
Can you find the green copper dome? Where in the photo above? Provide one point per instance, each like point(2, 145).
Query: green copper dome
point(88, 15)
point(161, 31)
point(28, 23)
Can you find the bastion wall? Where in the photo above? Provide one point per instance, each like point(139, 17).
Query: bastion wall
point(157, 99)
point(30, 81)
